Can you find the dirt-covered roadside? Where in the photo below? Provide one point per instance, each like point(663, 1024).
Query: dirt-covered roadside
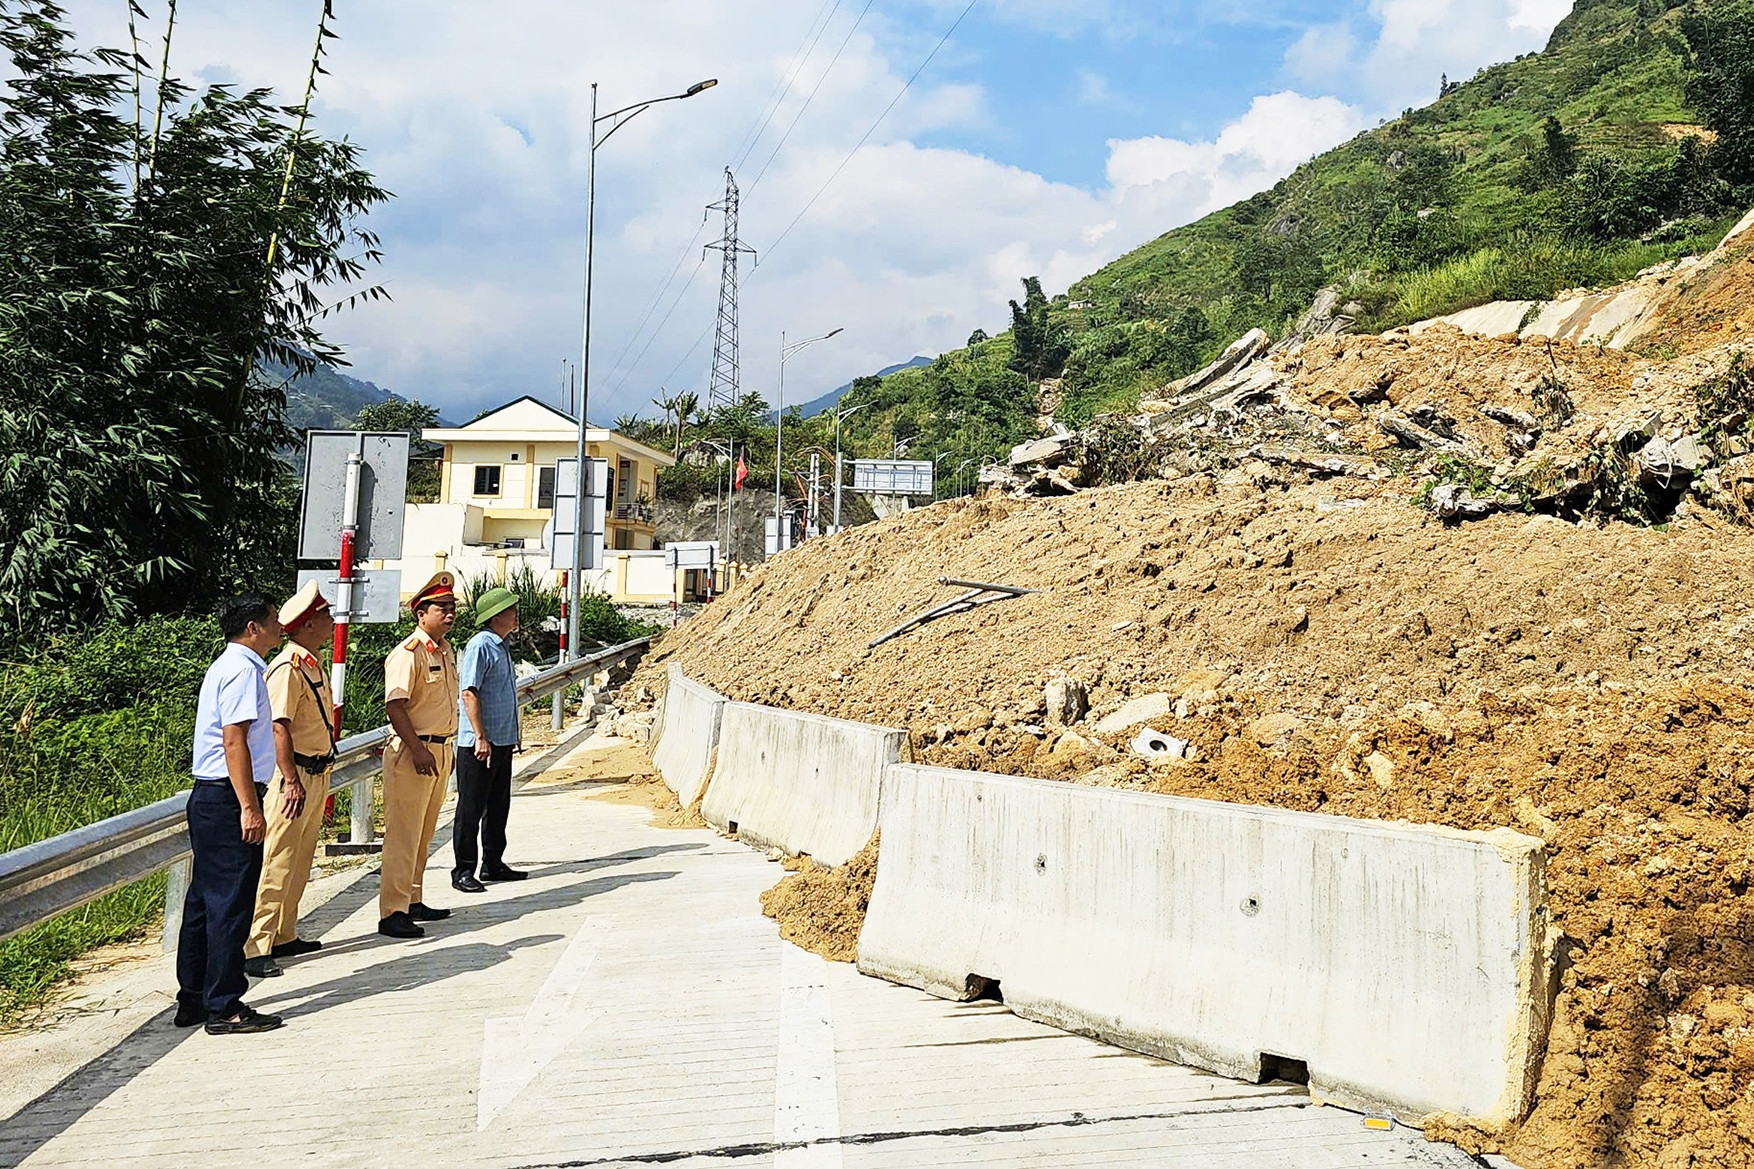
point(1329, 647)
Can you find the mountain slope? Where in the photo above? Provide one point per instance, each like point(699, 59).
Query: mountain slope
point(831, 399)
point(1576, 166)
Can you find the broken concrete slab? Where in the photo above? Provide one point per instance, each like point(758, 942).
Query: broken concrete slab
point(1140, 710)
point(1243, 350)
point(1051, 449)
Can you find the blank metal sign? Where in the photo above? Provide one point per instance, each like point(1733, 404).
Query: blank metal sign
point(377, 593)
point(383, 493)
point(893, 476)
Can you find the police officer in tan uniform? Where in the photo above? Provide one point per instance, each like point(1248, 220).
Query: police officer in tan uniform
point(420, 697)
point(304, 749)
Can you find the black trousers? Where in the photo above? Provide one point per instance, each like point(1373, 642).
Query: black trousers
point(220, 902)
point(484, 800)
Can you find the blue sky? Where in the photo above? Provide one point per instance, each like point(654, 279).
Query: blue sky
point(1046, 138)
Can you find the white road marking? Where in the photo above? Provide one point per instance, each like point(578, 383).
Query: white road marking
point(806, 1103)
point(515, 1050)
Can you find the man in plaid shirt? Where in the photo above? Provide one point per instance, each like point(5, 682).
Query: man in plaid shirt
point(488, 735)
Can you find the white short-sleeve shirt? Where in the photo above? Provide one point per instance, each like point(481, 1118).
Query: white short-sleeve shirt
point(234, 691)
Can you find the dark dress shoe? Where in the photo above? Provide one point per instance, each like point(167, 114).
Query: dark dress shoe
point(294, 949)
point(400, 925)
point(502, 873)
point(245, 1022)
point(262, 968)
point(467, 884)
point(190, 1016)
point(420, 911)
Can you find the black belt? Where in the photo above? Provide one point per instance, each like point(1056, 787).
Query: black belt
point(440, 739)
point(314, 764)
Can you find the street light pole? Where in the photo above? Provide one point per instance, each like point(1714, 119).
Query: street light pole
point(616, 119)
point(838, 474)
point(779, 431)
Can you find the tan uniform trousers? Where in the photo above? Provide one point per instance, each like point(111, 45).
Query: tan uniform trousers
point(411, 811)
point(286, 863)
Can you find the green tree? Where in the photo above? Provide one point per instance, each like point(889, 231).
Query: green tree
point(424, 458)
point(138, 450)
point(687, 410)
point(1722, 39)
point(1040, 345)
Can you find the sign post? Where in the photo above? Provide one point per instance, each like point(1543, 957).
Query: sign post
point(557, 715)
point(355, 493)
point(689, 556)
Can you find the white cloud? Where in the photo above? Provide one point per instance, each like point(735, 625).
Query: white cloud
point(1278, 132)
point(1539, 15)
point(1415, 42)
point(1322, 53)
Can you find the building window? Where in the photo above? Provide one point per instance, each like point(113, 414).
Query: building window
point(623, 540)
point(545, 488)
point(487, 480)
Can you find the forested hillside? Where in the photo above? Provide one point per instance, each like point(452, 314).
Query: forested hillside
point(1629, 140)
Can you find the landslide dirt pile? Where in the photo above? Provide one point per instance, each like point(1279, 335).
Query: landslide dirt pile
point(1329, 647)
point(1637, 407)
point(823, 909)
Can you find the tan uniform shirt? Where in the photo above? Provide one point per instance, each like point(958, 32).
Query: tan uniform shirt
point(425, 673)
point(291, 676)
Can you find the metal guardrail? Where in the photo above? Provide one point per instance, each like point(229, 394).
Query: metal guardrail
point(50, 877)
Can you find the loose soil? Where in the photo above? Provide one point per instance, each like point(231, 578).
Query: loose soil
point(822, 909)
point(1328, 647)
point(618, 771)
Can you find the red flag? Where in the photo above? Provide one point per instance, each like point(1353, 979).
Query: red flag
point(742, 474)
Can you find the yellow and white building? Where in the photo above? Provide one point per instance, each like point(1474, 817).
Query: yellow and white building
point(496, 498)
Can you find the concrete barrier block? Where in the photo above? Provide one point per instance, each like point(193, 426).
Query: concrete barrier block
point(685, 734)
point(1403, 966)
point(804, 783)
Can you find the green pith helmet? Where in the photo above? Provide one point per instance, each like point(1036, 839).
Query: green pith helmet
point(494, 602)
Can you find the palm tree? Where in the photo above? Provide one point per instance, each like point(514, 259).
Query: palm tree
point(667, 405)
point(687, 407)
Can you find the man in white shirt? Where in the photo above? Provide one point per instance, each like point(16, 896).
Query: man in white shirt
point(233, 761)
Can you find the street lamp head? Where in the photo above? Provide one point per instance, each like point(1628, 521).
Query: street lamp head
point(836, 333)
point(701, 86)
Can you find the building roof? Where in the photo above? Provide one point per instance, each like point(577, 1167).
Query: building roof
point(526, 419)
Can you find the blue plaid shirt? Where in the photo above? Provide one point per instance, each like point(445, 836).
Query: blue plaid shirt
point(486, 668)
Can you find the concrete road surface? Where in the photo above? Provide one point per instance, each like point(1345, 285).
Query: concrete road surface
point(628, 1005)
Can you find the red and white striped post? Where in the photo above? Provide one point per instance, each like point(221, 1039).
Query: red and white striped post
point(361, 831)
point(557, 716)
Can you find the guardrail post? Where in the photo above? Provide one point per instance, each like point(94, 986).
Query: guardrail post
point(361, 831)
point(176, 888)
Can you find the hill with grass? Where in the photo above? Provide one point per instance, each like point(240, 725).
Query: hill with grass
point(1628, 141)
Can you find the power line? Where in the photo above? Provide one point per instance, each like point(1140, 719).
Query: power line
point(681, 361)
point(657, 332)
point(658, 299)
point(845, 41)
point(776, 99)
point(867, 135)
point(751, 138)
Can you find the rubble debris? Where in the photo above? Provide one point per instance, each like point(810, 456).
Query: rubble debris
point(1137, 710)
point(1241, 352)
point(1067, 700)
point(977, 594)
point(1452, 501)
point(1153, 744)
point(1664, 462)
